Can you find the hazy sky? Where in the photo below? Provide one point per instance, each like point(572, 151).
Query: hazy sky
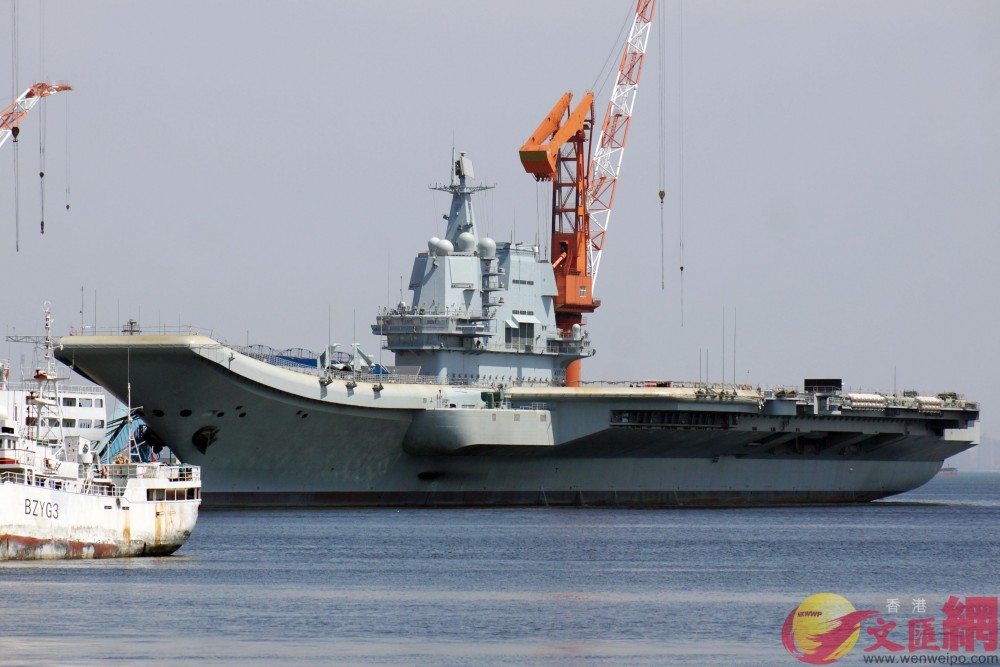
point(249, 167)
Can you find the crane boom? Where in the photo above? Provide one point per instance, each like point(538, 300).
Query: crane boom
point(540, 153)
point(583, 189)
point(607, 161)
point(557, 151)
point(12, 115)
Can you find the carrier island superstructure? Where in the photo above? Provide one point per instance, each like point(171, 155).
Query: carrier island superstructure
point(485, 405)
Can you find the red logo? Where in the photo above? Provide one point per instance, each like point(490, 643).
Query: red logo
point(823, 629)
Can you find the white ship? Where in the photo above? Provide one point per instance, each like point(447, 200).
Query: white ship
point(58, 499)
point(486, 406)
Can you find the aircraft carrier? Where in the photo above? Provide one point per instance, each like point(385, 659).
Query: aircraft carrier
point(485, 405)
point(476, 411)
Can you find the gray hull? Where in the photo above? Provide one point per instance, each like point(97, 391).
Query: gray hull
point(268, 436)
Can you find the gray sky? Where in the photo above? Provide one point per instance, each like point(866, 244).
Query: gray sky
point(251, 166)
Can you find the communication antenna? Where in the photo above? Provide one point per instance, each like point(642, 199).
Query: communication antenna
point(723, 356)
point(734, 348)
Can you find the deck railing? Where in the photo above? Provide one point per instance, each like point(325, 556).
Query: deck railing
point(89, 487)
point(152, 471)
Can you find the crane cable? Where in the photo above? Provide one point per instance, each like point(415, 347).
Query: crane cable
point(661, 36)
point(13, 83)
point(17, 204)
point(68, 101)
point(15, 49)
point(680, 149)
point(607, 69)
point(41, 112)
point(661, 82)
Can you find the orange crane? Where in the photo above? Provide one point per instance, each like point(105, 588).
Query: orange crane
point(583, 188)
point(557, 151)
point(12, 115)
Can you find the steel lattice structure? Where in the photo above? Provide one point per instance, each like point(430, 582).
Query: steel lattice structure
point(13, 114)
point(607, 161)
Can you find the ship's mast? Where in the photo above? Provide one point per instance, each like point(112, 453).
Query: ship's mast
point(461, 217)
point(46, 400)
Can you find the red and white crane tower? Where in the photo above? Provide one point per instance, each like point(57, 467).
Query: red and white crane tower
point(583, 187)
point(12, 115)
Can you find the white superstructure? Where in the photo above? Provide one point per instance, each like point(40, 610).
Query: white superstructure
point(83, 407)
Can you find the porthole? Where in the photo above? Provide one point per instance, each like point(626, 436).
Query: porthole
point(158, 413)
point(185, 413)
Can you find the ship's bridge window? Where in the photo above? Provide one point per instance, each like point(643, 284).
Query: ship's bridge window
point(86, 403)
point(173, 494)
point(524, 334)
point(98, 402)
point(69, 423)
point(69, 402)
point(84, 423)
point(98, 423)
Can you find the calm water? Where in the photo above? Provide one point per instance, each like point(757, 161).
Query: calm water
point(572, 586)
